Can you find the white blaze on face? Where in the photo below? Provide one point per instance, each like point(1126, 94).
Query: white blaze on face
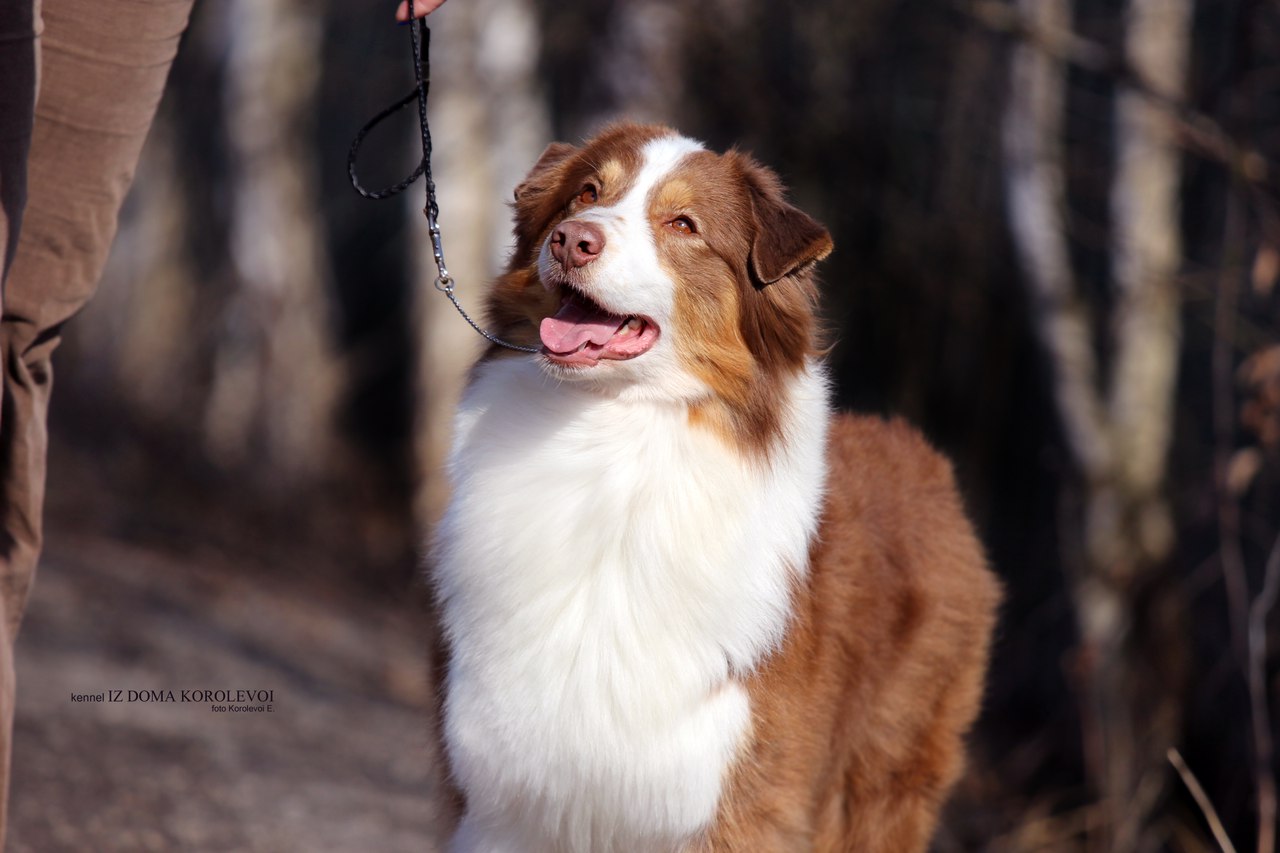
point(627, 279)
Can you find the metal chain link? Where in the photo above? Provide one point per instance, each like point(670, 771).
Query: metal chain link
point(420, 38)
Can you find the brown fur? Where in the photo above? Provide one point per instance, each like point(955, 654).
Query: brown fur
point(859, 718)
point(741, 338)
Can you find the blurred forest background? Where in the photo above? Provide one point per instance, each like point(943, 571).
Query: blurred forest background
point(1057, 229)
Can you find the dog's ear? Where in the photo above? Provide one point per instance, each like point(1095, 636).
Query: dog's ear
point(786, 239)
point(544, 172)
point(536, 203)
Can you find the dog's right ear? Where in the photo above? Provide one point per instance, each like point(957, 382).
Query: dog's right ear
point(544, 172)
point(536, 201)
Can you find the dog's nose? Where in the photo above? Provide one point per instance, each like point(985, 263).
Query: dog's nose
point(576, 244)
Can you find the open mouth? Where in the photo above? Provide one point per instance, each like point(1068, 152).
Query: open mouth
point(582, 333)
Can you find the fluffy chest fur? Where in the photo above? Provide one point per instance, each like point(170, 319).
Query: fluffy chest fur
point(605, 569)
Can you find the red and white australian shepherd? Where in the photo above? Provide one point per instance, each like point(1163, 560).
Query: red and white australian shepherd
point(686, 606)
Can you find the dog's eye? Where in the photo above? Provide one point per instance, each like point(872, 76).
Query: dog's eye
point(588, 195)
point(683, 224)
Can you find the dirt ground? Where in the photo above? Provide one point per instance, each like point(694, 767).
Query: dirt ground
point(341, 763)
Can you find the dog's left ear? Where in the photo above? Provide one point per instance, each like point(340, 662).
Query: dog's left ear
point(787, 239)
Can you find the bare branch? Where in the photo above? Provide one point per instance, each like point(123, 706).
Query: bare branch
point(1202, 800)
point(1196, 130)
point(1258, 704)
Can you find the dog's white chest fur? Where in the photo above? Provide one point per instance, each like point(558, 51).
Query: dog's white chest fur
point(604, 569)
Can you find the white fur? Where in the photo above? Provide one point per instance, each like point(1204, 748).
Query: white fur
point(605, 571)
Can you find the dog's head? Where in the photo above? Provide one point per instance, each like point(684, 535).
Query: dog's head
point(647, 265)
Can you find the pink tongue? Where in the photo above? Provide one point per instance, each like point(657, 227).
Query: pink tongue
point(575, 324)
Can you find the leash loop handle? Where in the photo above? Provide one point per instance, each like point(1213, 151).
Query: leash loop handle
point(354, 153)
point(420, 39)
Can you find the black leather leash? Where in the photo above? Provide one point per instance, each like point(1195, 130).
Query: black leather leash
point(420, 38)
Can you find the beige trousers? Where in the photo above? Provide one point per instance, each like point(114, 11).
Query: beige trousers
point(79, 84)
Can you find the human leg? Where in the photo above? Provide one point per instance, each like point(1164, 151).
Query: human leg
point(19, 80)
point(103, 68)
point(19, 70)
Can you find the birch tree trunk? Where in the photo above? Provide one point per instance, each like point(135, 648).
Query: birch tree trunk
point(275, 376)
point(1119, 440)
point(1035, 185)
point(1147, 254)
point(1131, 510)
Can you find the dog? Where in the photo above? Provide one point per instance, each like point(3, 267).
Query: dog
point(685, 606)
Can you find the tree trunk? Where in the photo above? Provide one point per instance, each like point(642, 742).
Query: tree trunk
point(1130, 531)
point(275, 377)
point(1119, 441)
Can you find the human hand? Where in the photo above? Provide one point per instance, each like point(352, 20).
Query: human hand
point(421, 8)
